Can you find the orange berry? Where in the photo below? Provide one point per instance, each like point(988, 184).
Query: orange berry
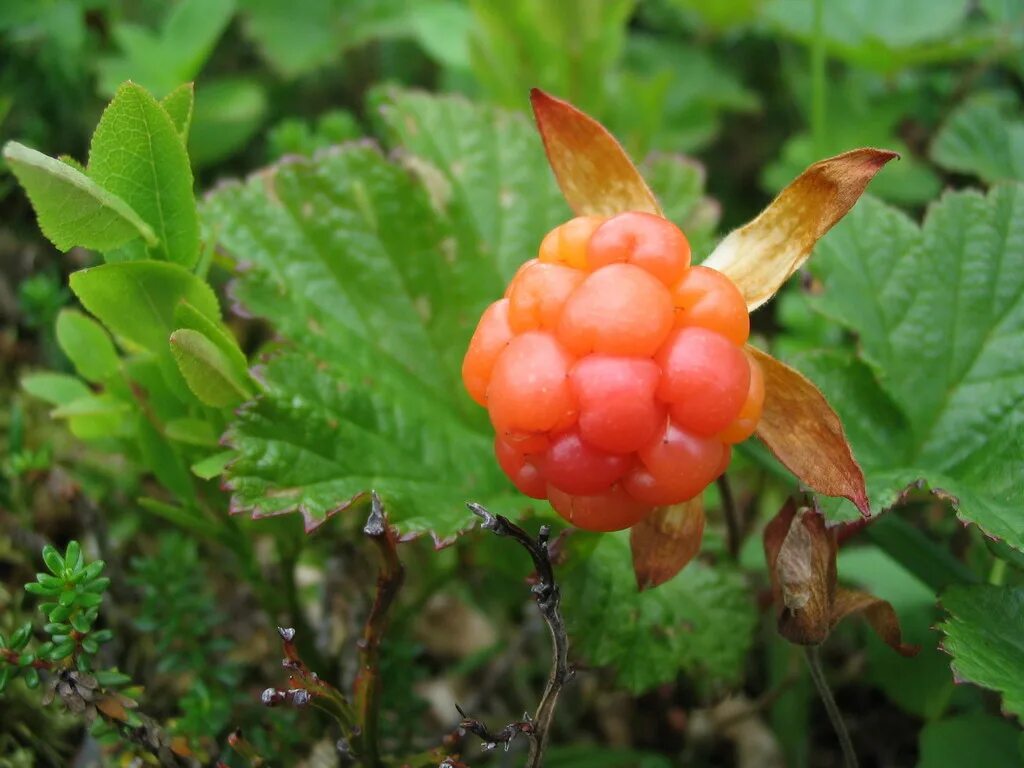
point(643, 239)
point(529, 389)
point(704, 379)
point(618, 410)
point(567, 244)
point(675, 467)
point(612, 510)
point(745, 424)
point(521, 469)
point(491, 337)
point(522, 268)
point(706, 298)
point(574, 466)
point(538, 295)
point(618, 310)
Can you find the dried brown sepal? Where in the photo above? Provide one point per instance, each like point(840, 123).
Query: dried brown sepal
point(880, 615)
point(665, 541)
point(802, 431)
point(761, 255)
point(801, 556)
point(593, 170)
point(113, 707)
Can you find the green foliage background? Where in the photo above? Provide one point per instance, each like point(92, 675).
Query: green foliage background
point(273, 277)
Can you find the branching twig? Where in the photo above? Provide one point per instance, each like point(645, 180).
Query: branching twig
point(834, 715)
point(549, 604)
point(367, 683)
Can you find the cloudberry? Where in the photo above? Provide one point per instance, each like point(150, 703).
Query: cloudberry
point(614, 372)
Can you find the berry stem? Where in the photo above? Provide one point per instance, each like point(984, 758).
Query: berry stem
point(733, 528)
point(813, 657)
point(549, 603)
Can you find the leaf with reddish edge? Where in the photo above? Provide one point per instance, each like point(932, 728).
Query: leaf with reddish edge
point(761, 255)
point(801, 557)
point(802, 431)
point(665, 541)
point(593, 170)
point(880, 615)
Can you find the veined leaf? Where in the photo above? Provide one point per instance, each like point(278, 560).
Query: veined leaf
point(138, 154)
point(72, 208)
point(939, 311)
point(179, 105)
point(87, 345)
point(702, 621)
point(209, 373)
point(136, 300)
point(983, 137)
point(983, 635)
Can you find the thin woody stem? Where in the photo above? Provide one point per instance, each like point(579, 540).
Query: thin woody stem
point(549, 603)
point(818, 676)
point(367, 685)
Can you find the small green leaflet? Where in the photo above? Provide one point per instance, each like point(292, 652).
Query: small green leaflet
point(72, 208)
point(939, 313)
point(984, 634)
point(984, 137)
point(137, 153)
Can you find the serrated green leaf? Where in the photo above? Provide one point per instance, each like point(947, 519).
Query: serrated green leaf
point(702, 621)
point(55, 388)
point(74, 209)
point(87, 345)
point(136, 300)
point(939, 312)
point(983, 138)
point(983, 635)
point(138, 154)
point(179, 105)
point(208, 371)
point(970, 739)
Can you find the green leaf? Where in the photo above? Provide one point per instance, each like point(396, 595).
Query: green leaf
point(939, 313)
point(138, 154)
point(299, 37)
point(487, 171)
point(378, 315)
point(72, 208)
point(213, 466)
point(229, 112)
point(73, 555)
point(174, 54)
point(884, 35)
point(55, 388)
point(179, 105)
point(702, 621)
point(971, 739)
point(87, 345)
point(136, 300)
point(983, 635)
point(53, 560)
point(208, 371)
point(983, 137)
point(192, 432)
point(187, 316)
point(164, 461)
point(96, 417)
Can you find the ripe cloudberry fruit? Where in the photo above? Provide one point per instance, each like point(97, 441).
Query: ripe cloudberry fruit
point(614, 372)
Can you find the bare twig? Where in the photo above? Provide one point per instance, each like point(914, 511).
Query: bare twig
point(549, 603)
point(731, 514)
point(818, 676)
point(367, 683)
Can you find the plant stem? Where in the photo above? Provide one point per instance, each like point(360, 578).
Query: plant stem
point(818, 105)
point(367, 685)
point(549, 604)
point(818, 676)
point(732, 523)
